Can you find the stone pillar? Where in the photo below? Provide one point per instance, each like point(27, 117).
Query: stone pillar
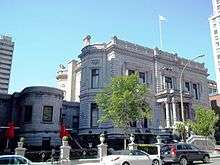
point(132, 145)
point(167, 115)
point(65, 153)
point(174, 111)
point(102, 148)
point(158, 144)
point(102, 151)
point(20, 150)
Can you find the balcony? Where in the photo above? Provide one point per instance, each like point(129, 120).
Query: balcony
point(172, 92)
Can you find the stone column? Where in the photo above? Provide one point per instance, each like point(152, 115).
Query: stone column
point(158, 144)
point(174, 111)
point(102, 151)
point(65, 153)
point(167, 115)
point(20, 150)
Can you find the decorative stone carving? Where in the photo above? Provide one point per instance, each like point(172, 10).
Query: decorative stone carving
point(95, 62)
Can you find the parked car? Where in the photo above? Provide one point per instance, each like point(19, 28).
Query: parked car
point(183, 154)
point(15, 159)
point(131, 157)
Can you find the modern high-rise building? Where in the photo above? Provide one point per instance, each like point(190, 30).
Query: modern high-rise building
point(6, 53)
point(215, 35)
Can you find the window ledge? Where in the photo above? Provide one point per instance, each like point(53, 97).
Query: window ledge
point(47, 122)
point(27, 122)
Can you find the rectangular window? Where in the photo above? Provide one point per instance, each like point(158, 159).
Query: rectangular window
point(187, 86)
point(130, 72)
point(168, 82)
point(27, 113)
point(145, 123)
point(63, 117)
point(46, 141)
point(142, 78)
point(133, 124)
point(95, 78)
point(215, 31)
point(48, 113)
point(94, 115)
point(195, 91)
point(75, 122)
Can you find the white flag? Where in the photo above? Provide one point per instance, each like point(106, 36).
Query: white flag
point(162, 18)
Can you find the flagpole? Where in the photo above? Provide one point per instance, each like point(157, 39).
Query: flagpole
point(160, 27)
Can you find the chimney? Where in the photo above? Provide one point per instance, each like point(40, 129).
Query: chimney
point(86, 40)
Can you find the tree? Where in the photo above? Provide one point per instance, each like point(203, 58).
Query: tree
point(123, 101)
point(181, 129)
point(205, 121)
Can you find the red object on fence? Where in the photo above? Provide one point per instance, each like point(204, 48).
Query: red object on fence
point(66, 133)
point(10, 132)
point(63, 131)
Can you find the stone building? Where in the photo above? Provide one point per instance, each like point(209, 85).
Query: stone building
point(68, 80)
point(212, 85)
point(37, 111)
point(158, 69)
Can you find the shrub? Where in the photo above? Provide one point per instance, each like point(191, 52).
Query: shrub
point(149, 148)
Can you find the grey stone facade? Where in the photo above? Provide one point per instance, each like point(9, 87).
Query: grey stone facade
point(37, 111)
point(117, 57)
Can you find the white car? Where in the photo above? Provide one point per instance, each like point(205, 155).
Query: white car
point(15, 159)
point(131, 157)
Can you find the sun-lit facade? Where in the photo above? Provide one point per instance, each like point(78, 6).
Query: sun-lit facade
point(215, 36)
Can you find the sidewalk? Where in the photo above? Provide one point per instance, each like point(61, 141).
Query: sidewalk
point(215, 154)
point(85, 161)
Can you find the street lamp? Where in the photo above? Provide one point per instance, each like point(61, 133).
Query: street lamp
point(181, 91)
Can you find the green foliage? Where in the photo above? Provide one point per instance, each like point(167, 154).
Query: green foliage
point(123, 101)
point(181, 129)
point(65, 138)
point(204, 122)
point(149, 148)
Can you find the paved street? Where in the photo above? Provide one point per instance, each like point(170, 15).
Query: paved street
point(214, 161)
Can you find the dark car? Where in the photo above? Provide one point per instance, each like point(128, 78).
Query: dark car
point(183, 154)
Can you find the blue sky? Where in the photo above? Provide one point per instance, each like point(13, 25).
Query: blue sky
point(50, 32)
